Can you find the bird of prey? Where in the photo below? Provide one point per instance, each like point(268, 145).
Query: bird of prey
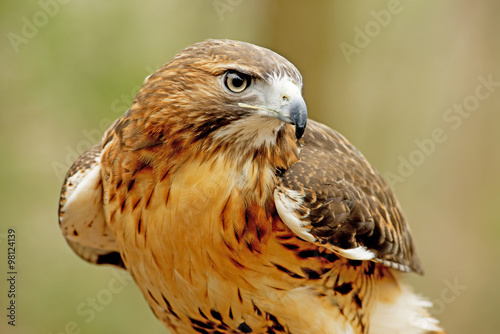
point(232, 216)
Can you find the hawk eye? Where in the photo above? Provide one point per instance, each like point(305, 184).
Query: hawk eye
point(236, 82)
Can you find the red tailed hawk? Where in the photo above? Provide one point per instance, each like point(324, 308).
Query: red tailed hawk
point(232, 216)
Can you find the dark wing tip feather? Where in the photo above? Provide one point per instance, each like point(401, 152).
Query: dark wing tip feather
point(113, 258)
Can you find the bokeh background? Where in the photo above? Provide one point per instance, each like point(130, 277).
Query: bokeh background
point(388, 74)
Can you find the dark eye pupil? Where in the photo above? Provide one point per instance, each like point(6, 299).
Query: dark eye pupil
point(237, 81)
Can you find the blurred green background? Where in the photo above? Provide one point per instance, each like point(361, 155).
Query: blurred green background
point(386, 74)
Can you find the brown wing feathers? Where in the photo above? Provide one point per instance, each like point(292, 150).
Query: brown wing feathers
point(346, 201)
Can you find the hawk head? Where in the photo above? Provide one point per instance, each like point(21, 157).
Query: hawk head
point(221, 92)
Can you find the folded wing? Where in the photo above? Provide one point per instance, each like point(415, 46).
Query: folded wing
point(81, 214)
point(334, 198)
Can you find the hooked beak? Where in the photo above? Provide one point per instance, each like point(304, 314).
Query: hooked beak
point(293, 112)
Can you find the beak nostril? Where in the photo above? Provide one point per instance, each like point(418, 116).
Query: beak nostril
point(285, 98)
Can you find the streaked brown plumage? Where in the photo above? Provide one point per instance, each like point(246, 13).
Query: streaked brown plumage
point(232, 220)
